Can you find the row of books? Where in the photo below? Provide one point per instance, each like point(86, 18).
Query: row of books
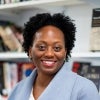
point(11, 73)
point(11, 1)
point(11, 37)
point(86, 69)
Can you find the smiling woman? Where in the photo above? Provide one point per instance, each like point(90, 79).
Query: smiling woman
point(48, 50)
point(48, 41)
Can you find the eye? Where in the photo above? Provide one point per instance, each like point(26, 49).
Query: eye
point(57, 49)
point(41, 47)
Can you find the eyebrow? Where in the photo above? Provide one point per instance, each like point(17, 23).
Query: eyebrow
point(46, 42)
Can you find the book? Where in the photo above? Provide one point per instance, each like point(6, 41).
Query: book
point(13, 72)
point(3, 47)
point(18, 32)
point(95, 31)
point(85, 69)
point(7, 1)
point(27, 68)
point(10, 40)
point(7, 76)
point(20, 73)
point(5, 22)
point(81, 67)
point(1, 77)
point(94, 75)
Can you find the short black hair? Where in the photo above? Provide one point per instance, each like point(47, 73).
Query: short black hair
point(59, 20)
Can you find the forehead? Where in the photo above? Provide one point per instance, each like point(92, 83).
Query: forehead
point(49, 32)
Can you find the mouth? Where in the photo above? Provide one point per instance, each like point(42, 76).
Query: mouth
point(48, 63)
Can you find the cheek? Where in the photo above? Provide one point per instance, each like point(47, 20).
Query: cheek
point(36, 55)
point(61, 55)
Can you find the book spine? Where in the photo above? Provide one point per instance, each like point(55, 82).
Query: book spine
point(1, 77)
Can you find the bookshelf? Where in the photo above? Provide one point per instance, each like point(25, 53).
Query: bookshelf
point(13, 9)
point(38, 3)
point(78, 9)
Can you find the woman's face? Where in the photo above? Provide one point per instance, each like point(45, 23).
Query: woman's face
point(48, 50)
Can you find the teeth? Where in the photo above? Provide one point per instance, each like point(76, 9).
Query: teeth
point(48, 62)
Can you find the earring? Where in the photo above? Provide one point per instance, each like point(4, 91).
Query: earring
point(64, 59)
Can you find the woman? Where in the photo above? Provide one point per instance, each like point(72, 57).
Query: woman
point(48, 41)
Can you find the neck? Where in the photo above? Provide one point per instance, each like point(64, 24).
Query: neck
point(43, 80)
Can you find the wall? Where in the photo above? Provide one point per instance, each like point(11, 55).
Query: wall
point(26, 14)
point(82, 15)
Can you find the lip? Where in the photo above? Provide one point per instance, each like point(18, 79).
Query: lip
point(48, 63)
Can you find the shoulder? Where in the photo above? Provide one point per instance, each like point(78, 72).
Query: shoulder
point(20, 84)
point(82, 82)
point(25, 84)
point(15, 91)
point(86, 89)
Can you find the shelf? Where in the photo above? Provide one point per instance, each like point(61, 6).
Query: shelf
point(37, 3)
point(12, 55)
point(87, 54)
point(15, 55)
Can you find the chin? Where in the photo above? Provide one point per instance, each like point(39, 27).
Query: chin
point(51, 71)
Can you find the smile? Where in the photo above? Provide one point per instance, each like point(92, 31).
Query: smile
point(48, 63)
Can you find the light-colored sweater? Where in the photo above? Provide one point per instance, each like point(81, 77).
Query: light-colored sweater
point(66, 85)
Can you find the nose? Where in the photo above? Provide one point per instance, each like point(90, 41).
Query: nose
point(49, 53)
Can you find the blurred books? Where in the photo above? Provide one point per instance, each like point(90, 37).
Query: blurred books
point(95, 31)
point(11, 73)
point(11, 37)
point(85, 69)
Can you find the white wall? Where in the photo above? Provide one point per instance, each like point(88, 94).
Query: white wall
point(83, 16)
point(8, 16)
point(25, 15)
